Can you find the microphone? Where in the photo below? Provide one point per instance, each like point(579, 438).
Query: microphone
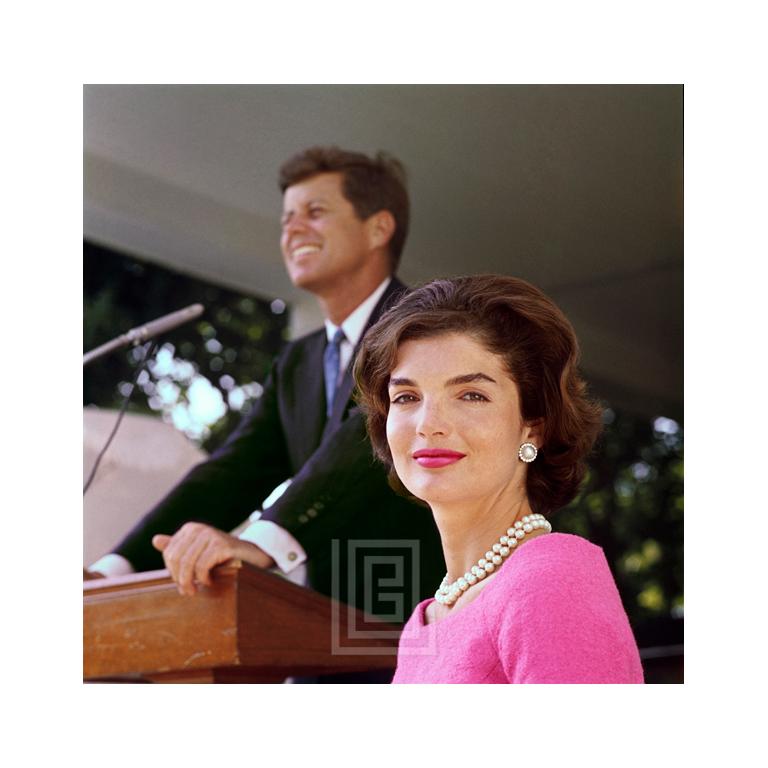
point(143, 332)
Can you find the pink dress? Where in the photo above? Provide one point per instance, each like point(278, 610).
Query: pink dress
point(552, 614)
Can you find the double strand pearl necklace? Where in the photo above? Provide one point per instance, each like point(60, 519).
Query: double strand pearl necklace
point(448, 594)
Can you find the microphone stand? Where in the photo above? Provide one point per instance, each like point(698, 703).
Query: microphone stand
point(136, 336)
point(140, 334)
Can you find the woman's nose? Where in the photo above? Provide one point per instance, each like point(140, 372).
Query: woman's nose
point(432, 420)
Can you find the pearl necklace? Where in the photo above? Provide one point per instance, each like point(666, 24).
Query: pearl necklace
point(448, 594)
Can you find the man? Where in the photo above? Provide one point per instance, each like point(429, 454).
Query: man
point(345, 221)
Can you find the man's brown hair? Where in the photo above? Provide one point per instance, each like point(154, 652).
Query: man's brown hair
point(370, 184)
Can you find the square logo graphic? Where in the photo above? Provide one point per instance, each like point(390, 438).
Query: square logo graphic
point(381, 576)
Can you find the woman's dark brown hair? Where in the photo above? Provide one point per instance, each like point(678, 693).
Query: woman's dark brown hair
point(518, 322)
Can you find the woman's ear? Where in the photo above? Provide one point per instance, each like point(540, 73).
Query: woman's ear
point(533, 432)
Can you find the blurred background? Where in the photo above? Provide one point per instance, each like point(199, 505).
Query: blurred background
point(575, 188)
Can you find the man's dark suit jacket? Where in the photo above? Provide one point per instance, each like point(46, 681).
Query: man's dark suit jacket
point(339, 491)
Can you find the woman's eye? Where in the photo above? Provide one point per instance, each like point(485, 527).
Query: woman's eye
point(475, 397)
point(403, 399)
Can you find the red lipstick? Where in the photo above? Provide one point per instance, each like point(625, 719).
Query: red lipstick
point(434, 458)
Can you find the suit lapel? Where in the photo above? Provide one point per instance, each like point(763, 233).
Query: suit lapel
point(309, 400)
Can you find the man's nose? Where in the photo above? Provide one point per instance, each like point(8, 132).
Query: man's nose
point(296, 223)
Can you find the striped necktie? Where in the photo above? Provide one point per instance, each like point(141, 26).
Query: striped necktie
point(331, 358)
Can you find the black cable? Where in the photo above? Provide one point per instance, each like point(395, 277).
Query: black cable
point(123, 407)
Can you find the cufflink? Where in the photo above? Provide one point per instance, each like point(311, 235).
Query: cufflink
point(292, 556)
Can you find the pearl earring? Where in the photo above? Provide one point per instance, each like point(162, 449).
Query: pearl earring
point(527, 452)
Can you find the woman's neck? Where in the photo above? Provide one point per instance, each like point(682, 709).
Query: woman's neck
point(469, 531)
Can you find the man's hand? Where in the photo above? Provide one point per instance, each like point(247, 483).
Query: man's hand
point(195, 549)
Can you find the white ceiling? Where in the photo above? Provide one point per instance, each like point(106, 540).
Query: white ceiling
point(575, 188)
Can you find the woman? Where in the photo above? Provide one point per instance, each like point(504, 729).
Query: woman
point(474, 401)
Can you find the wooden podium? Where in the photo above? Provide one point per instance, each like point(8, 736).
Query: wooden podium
point(250, 626)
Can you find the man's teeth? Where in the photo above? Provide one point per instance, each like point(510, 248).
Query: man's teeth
point(305, 249)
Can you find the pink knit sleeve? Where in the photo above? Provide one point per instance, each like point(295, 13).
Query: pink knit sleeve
point(559, 618)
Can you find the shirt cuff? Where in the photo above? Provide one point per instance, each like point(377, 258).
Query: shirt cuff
point(112, 565)
point(276, 542)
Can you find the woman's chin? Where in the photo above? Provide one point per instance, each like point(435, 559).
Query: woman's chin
point(437, 491)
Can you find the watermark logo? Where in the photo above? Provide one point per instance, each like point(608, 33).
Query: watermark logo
point(382, 578)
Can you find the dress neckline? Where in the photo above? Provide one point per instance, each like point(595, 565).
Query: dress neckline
point(422, 608)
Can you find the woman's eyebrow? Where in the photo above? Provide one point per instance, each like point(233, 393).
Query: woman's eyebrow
point(467, 378)
point(401, 382)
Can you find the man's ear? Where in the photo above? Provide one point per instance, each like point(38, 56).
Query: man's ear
point(381, 226)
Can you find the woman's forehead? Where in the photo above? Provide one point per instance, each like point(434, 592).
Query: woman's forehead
point(446, 351)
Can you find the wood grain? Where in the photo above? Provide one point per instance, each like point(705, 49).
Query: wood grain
point(249, 626)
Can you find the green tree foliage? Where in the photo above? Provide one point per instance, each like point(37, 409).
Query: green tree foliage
point(632, 506)
point(206, 374)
